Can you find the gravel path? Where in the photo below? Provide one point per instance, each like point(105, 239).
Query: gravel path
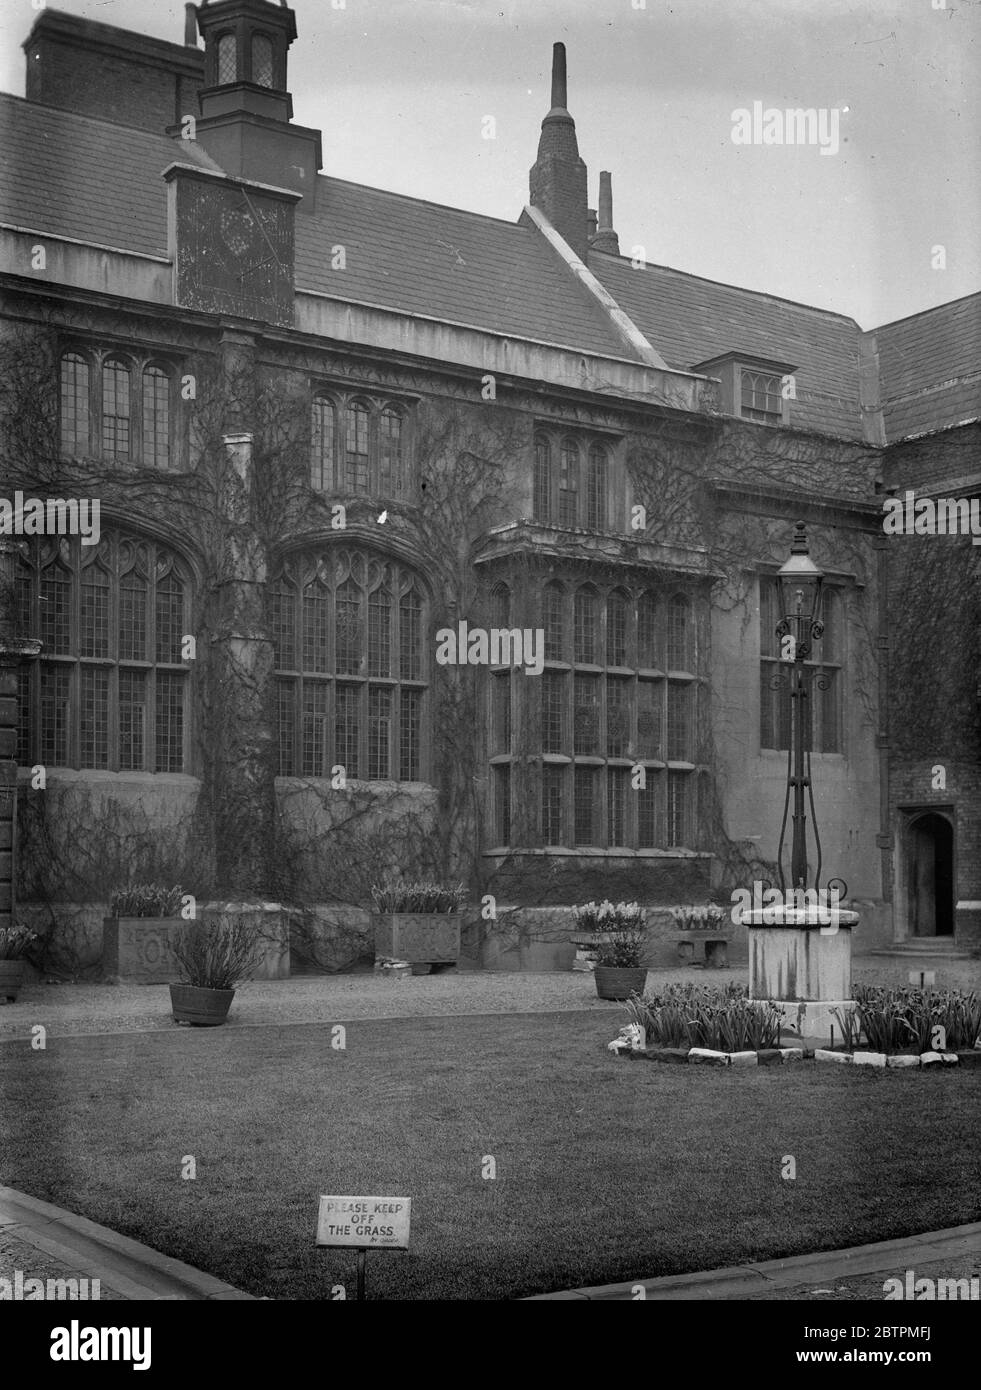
point(66, 1009)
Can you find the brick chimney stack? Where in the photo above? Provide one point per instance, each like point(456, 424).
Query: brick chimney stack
point(557, 180)
point(605, 238)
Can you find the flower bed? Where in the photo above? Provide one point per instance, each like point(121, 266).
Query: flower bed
point(723, 1027)
point(721, 1018)
point(908, 1020)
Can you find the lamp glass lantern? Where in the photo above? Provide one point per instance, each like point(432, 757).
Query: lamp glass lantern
point(801, 587)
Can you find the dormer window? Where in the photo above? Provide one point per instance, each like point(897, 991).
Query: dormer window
point(262, 60)
point(753, 388)
point(227, 60)
point(761, 398)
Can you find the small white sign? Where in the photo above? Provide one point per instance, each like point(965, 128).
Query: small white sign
point(364, 1222)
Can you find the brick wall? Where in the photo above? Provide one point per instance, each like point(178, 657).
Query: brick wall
point(112, 86)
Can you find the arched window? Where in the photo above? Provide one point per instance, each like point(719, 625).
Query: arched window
point(501, 605)
point(648, 637)
point(553, 621)
point(596, 477)
point(616, 629)
point(542, 501)
point(680, 645)
point(156, 418)
point(410, 635)
point(322, 416)
point(316, 625)
point(115, 409)
point(356, 450)
point(74, 405)
point(357, 699)
point(110, 689)
point(569, 484)
point(586, 635)
point(380, 632)
point(390, 454)
point(227, 59)
point(262, 60)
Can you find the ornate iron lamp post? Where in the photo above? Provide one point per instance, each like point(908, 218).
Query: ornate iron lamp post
point(801, 586)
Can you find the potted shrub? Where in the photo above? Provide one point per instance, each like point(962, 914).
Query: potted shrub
point(213, 960)
point(418, 923)
point(14, 942)
point(618, 946)
point(137, 936)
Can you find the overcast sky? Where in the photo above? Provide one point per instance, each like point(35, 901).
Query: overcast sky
point(401, 88)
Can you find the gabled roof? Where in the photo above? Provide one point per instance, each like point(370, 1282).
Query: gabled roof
point(930, 369)
point(98, 182)
point(691, 321)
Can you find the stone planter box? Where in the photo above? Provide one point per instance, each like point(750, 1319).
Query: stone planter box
point(421, 938)
point(138, 949)
point(715, 945)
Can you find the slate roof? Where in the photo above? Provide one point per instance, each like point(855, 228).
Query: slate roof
point(99, 182)
point(691, 320)
point(462, 267)
point(930, 369)
point(87, 179)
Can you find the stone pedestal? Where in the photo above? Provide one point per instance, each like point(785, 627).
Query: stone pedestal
point(800, 959)
point(421, 938)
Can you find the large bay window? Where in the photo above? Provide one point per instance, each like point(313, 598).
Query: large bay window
point(604, 743)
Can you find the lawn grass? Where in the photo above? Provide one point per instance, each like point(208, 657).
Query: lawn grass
point(607, 1169)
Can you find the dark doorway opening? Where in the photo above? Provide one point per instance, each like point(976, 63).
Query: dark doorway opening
point(931, 876)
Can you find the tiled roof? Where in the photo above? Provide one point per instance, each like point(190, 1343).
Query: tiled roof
point(461, 267)
point(930, 369)
point(98, 182)
point(690, 321)
point(89, 180)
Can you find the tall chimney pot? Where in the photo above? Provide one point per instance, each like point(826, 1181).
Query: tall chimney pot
point(190, 26)
point(605, 238)
point(560, 96)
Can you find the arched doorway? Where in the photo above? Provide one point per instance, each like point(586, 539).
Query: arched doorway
point(930, 875)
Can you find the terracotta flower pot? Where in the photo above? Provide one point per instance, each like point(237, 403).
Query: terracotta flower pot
point(619, 982)
point(205, 1008)
point(11, 978)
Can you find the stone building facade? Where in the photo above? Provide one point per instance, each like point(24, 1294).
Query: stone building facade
point(326, 425)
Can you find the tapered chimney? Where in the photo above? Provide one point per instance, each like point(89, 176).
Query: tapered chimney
point(605, 238)
point(557, 181)
point(190, 26)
